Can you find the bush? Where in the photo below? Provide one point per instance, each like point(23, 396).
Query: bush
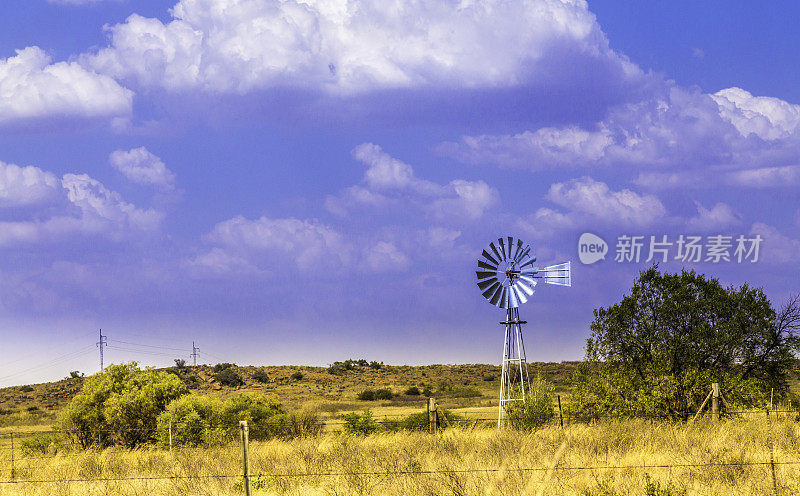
point(222, 366)
point(489, 378)
point(427, 391)
point(202, 420)
point(180, 363)
point(419, 422)
point(228, 377)
point(120, 406)
point(375, 365)
point(413, 391)
point(26, 389)
point(366, 395)
point(535, 411)
point(362, 424)
point(75, 374)
point(37, 445)
point(383, 394)
point(261, 376)
point(297, 376)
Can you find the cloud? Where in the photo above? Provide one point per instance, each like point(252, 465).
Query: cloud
point(391, 183)
point(594, 198)
point(27, 186)
point(676, 137)
point(587, 202)
point(720, 217)
point(31, 87)
point(142, 167)
point(60, 208)
point(269, 246)
point(353, 46)
point(766, 117)
point(776, 247)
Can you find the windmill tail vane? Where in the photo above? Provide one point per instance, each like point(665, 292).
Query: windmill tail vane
point(507, 278)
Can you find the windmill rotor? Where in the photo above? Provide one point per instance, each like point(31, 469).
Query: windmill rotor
point(507, 276)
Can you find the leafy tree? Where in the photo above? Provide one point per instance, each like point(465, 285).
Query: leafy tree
point(180, 363)
point(362, 424)
point(297, 376)
point(119, 406)
point(366, 395)
point(413, 391)
point(261, 376)
point(657, 351)
point(384, 394)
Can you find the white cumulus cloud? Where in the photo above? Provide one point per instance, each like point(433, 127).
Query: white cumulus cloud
point(59, 208)
point(389, 182)
point(32, 87)
point(721, 216)
point(142, 167)
point(348, 46)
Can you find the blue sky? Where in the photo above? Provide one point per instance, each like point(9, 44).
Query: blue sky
point(304, 182)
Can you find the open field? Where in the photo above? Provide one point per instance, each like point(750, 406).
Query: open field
point(616, 458)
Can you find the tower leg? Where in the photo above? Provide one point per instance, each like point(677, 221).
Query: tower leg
point(514, 380)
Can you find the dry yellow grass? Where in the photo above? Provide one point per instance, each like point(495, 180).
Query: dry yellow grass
point(458, 462)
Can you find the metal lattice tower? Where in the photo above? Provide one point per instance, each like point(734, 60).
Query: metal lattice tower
point(103, 342)
point(195, 349)
point(507, 278)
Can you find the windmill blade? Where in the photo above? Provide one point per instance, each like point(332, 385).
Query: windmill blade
point(532, 260)
point(523, 253)
point(489, 292)
point(529, 280)
point(502, 296)
point(496, 253)
point(488, 282)
point(520, 294)
point(490, 258)
point(502, 243)
point(518, 250)
point(496, 296)
point(524, 287)
point(486, 266)
point(510, 246)
point(484, 275)
point(513, 301)
point(558, 274)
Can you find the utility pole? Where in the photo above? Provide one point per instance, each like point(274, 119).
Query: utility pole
point(195, 349)
point(102, 343)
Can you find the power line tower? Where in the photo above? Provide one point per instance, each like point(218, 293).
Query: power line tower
point(103, 342)
point(195, 349)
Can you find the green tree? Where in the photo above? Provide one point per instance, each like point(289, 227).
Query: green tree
point(119, 406)
point(535, 411)
point(657, 351)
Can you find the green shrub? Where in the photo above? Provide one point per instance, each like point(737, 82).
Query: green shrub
point(229, 377)
point(384, 394)
point(119, 406)
point(261, 376)
point(535, 411)
point(489, 378)
point(297, 376)
point(366, 395)
point(37, 445)
point(419, 421)
point(427, 391)
point(222, 366)
point(202, 420)
point(413, 391)
point(375, 365)
point(26, 389)
point(362, 424)
point(259, 482)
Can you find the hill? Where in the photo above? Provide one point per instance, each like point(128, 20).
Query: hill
point(329, 390)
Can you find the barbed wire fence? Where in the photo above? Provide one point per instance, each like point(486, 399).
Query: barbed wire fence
point(24, 462)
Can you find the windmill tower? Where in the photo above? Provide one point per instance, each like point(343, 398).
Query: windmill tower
point(507, 278)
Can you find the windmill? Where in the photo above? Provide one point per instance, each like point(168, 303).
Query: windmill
point(507, 278)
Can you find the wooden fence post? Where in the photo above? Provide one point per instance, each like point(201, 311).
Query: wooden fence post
point(13, 472)
point(432, 415)
point(560, 414)
point(245, 450)
point(715, 401)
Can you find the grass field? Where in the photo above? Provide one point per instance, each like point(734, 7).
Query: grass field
point(729, 457)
